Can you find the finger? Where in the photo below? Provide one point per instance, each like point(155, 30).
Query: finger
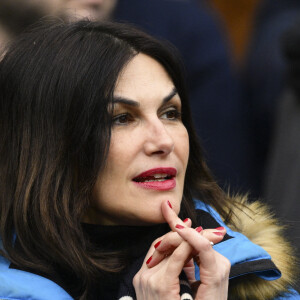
point(170, 215)
point(172, 219)
point(165, 246)
point(149, 256)
point(200, 244)
point(187, 222)
point(172, 240)
point(189, 270)
point(169, 242)
point(151, 261)
point(181, 256)
point(214, 235)
point(217, 231)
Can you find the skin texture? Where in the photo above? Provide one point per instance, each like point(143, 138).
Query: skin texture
point(146, 135)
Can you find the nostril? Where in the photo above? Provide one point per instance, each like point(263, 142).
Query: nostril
point(158, 152)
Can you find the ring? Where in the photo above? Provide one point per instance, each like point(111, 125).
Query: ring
point(212, 244)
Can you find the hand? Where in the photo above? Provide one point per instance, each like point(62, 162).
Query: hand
point(214, 268)
point(159, 279)
point(214, 280)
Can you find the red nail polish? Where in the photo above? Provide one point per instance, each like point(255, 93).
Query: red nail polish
point(157, 244)
point(218, 233)
point(185, 220)
point(170, 204)
point(179, 226)
point(220, 228)
point(199, 229)
point(149, 259)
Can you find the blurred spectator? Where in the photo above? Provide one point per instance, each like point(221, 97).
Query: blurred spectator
point(282, 186)
point(16, 15)
point(255, 28)
point(92, 9)
point(264, 77)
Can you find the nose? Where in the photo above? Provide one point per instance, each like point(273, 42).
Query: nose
point(158, 140)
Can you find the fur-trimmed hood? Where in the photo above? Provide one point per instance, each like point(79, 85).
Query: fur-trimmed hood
point(258, 224)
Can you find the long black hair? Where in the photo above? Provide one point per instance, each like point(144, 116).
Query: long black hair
point(56, 84)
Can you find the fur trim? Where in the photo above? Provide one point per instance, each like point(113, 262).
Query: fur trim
point(256, 222)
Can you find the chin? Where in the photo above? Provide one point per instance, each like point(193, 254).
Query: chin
point(155, 216)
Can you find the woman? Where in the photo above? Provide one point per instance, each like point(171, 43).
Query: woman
point(98, 156)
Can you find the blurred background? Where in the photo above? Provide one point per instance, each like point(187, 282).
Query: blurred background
point(242, 60)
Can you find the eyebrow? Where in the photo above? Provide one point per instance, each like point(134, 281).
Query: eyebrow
point(134, 103)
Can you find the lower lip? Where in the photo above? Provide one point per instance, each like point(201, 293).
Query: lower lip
point(158, 185)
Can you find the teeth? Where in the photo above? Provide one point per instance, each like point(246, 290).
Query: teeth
point(154, 180)
point(160, 176)
point(155, 177)
point(162, 179)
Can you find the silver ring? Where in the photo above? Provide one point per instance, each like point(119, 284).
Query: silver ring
point(212, 244)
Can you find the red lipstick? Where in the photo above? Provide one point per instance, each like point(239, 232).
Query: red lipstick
point(161, 179)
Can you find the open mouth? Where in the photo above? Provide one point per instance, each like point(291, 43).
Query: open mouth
point(157, 179)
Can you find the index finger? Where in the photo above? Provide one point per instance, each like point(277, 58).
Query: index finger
point(170, 215)
point(200, 244)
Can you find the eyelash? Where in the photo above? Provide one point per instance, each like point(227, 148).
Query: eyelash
point(118, 118)
point(174, 110)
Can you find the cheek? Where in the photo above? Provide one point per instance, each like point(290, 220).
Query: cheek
point(119, 160)
point(120, 153)
point(183, 145)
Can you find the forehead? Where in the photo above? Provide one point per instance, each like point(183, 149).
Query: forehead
point(143, 76)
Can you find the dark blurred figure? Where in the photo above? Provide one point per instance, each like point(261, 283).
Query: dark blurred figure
point(265, 78)
point(282, 188)
point(91, 9)
point(16, 15)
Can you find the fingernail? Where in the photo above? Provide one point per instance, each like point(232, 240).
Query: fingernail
point(179, 226)
point(185, 220)
point(199, 229)
point(220, 228)
point(170, 204)
point(149, 259)
point(218, 233)
point(157, 244)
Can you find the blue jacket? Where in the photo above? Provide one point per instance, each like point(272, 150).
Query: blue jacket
point(242, 253)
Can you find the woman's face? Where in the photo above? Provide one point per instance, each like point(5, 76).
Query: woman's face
point(149, 149)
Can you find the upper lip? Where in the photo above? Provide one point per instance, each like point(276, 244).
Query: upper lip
point(161, 170)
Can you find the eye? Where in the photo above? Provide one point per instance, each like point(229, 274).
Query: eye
point(172, 114)
point(122, 119)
